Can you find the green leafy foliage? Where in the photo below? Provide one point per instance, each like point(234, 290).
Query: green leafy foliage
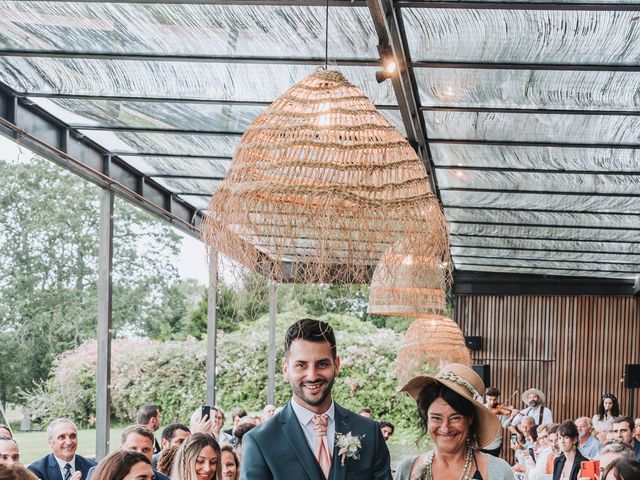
point(173, 373)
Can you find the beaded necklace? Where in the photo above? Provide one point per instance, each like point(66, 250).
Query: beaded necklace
point(466, 470)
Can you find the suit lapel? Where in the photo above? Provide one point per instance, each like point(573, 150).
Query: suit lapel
point(338, 471)
point(53, 468)
point(295, 436)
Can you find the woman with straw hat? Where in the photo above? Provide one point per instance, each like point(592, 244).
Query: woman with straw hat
point(451, 411)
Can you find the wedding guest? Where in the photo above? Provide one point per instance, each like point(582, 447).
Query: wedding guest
point(567, 465)
point(607, 411)
point(452, 413)
point(124, 465)
point(622, 469)
point(9, 452)
point(198, 459)
point(230, 463)
point(5, 431)
point(165, 460)
point(16, 472)
point(614, 449)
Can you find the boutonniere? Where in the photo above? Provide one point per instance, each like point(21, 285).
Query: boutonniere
point(349, 446)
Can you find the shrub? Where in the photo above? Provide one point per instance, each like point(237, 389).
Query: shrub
point(172, 374)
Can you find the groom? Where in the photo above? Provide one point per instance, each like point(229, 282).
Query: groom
point(303, 441)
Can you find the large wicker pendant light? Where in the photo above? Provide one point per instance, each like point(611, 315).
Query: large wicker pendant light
point(433, 341)
point(320, 186)
point(410, 280)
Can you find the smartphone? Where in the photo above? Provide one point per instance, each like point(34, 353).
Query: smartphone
point(590, 469)
point(514, 439)
point(205, 411)
point(533, 455)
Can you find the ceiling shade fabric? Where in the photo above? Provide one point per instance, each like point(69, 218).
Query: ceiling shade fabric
point(319, 188)
point(410, 280)
point(430, 343)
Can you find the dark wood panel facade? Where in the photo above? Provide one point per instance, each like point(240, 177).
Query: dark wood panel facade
point(572, 348)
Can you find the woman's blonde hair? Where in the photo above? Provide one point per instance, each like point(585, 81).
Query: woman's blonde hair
point(184, 465)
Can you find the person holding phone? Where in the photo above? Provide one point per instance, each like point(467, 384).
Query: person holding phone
point(567, 465)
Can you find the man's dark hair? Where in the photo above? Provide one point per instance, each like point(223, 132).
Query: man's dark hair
point(146, 413)
point(238, 412)
point(621, 419)
point(171, 429)
point(312, 331)
point(384, 423)
point(241, 430)
point(365, 410)
point(140, 430)
point(492, 392)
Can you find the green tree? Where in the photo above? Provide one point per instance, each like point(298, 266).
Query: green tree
point(48, 270)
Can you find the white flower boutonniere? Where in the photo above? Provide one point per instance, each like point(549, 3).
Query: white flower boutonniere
point(349, 446)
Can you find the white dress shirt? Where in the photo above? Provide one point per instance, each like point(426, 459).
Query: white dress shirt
point(305, 416)
point(62, 463)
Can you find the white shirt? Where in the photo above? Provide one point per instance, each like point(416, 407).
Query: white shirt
point(62, 463)
point(547, 416)
point(304, 416)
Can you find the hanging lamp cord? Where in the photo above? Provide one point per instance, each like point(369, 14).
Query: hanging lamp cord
point(326, 37)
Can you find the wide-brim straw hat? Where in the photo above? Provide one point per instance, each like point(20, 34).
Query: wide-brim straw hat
point(468, 384)
point(526, 394)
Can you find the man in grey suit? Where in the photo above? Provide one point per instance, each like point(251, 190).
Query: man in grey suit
point(304, 440)
point(62, 463)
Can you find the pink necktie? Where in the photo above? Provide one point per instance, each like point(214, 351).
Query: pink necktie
point(322, 447)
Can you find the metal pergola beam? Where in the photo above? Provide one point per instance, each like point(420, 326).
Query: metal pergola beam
point(549, 225)
point(513, 143)
point(497, 5)
point(543, 239)
point(537, 267)
point(539, 170)
point(160, 57)
point(539, 259)
point(553, 250)
point(287, 3)
point(536, 111)
point(171, 155)
point(167, 131)
point(392, 42)
point(180, 176)
point(540, 192)
point(560, 67)
point(37, 130)
point(539, 210)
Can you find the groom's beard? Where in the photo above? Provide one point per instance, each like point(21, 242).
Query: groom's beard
point(309, 398)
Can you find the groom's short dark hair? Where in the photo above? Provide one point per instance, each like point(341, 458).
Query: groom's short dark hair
point(312, 331)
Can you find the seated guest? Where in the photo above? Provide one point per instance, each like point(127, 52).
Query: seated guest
point(614, 449)
point(9, 452)
point(238, 432)
point(16, 472)
point(172, 436)
point(165, 460)
point(124, 465)
point(567, 465)
point(62, 463)
point(236, 415)
point(623, 428)
point(622, 469)
point(387, 429)
point(587, 444)
point(198, 458)
point(230, 463)
point(5, 431)
point(268, 412)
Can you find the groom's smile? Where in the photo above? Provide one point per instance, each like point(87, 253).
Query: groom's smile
point(311, 369)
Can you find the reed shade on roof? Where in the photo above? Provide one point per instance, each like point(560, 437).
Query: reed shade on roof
point(320, 186)
point(410, 280)
point(430, 343)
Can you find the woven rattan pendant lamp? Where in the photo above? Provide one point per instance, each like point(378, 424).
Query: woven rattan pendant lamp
point(320, 186)
point(431, 341)
point(410, 280)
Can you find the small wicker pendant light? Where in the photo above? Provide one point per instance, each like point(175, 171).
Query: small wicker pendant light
point(432, 340)
point(410, 280)
point(320, 186)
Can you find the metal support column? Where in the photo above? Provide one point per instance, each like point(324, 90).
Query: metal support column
point(271, 373)
point(103, 380)
point(212, 329)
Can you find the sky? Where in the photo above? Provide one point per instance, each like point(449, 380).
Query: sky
point(191, 262)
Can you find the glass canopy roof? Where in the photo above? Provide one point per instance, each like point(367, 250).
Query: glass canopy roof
point(530, 110)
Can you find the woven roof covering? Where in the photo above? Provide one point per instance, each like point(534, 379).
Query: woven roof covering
point(322, 182)
point(430, 343)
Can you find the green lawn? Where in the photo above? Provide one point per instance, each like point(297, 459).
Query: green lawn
point(33, 445)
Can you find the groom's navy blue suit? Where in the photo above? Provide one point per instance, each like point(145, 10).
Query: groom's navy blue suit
point(278, 450)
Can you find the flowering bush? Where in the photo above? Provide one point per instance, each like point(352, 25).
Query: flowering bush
point(172, 374)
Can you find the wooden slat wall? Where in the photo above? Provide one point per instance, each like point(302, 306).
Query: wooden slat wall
point(572, 348)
